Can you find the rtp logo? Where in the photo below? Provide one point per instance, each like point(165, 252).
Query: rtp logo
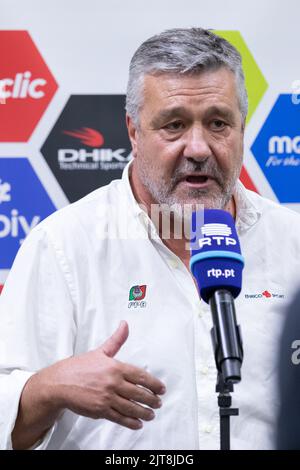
point(216, 234)
point(23, 204)
point(277, 149)
point(210, 230)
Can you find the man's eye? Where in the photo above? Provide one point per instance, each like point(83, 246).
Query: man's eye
point(218, 125)
point(174, 126)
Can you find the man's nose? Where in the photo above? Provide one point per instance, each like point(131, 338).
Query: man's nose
point(196, 145)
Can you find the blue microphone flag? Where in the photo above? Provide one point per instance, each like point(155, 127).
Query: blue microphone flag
point(216, 261)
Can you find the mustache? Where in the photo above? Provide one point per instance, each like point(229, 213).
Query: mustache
point(207, 167)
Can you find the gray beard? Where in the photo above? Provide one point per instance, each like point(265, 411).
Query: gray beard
point(164, 194)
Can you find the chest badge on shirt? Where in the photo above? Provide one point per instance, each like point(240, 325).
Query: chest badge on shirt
point(266, 294)
point(136, 297)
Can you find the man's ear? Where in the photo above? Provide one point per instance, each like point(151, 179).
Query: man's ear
point(243, 126)
point(242, 137)
point(132, 133)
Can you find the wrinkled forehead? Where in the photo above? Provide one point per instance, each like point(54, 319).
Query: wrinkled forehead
point(161, 90)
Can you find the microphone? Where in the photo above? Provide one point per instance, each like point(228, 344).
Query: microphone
point(216, 263)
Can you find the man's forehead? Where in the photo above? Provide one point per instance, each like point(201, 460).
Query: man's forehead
point(170, 82)
point(166, 113)
point(171, 91)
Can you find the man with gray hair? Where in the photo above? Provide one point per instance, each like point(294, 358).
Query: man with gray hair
point(70, 377)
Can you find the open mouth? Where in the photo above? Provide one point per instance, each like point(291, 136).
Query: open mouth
point(196, 179)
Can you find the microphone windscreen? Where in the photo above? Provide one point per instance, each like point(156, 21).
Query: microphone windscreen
point(216, 261)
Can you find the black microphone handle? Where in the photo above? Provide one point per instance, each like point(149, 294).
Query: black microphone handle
point(226, 336)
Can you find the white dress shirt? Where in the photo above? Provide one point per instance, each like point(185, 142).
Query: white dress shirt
point(69, 288)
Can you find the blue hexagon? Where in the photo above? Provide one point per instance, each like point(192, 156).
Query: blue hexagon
point(23, 204)
point(277, 149)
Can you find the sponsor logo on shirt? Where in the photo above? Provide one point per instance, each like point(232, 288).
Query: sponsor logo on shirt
point(265, 294)
point(136, 296)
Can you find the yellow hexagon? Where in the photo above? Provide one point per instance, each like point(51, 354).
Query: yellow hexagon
point(256, 84)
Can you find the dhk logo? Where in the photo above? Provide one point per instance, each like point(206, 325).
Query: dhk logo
point(87, 136)
point(98, 158)
point(88, 146)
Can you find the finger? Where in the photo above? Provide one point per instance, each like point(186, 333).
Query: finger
point(113, 344)
point(139, 395)
point(139, 376)
point(116, 417)
point(132, 410)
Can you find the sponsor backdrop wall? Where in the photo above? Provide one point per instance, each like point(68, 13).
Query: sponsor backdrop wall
point(63, 74)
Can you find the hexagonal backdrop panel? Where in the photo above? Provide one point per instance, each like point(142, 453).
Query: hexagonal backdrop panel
point(23, 204)
point(277, 149)
point(88, 146)
point(26, 86)
point(255, 82)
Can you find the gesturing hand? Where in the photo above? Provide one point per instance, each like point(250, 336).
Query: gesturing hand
point(98, 386)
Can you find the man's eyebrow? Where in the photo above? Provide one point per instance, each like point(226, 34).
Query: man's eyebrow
point(179, 111)
point(222, 111)
point(166, 114)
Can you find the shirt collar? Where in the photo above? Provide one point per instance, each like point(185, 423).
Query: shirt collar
point(128, 190)
point(136, 208)
point(247, 213)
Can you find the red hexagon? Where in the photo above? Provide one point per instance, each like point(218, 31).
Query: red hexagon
point(26, 86)
point(246, 180)
point(1, 287)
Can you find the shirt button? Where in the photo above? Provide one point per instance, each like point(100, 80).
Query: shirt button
point(207, 428)
point(204, 370)
point(173, 263)
point(143, 217)
point(200, 311)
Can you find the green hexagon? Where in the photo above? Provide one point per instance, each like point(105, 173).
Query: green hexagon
point(256, 84)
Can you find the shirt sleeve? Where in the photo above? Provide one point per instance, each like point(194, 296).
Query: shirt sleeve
point(37, 323)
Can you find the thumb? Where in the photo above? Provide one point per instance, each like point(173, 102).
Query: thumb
point(113, 344)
